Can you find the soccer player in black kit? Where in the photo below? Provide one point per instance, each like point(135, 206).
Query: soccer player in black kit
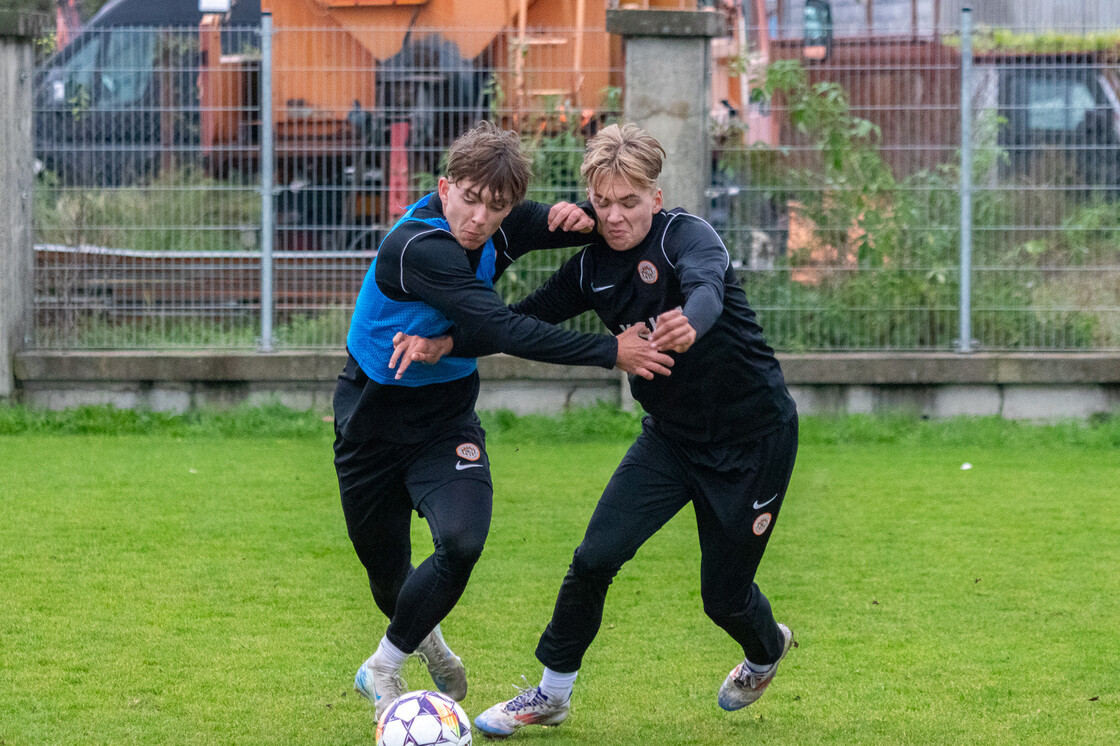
point(721, 431)
point(407, 439)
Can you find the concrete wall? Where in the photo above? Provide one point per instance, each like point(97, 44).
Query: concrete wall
point(16, 68)
point(1013, 386)
point(668, 79)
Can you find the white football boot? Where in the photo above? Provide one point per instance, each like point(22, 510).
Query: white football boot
point(744, 686)
point(530, 707)
point(446, 668)
point(379, 684)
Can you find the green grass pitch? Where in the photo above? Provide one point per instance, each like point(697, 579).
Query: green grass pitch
point(190, 582)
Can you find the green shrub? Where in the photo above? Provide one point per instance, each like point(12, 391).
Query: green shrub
point(879, 266)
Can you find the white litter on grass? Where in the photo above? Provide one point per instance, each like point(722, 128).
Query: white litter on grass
point(966, 466)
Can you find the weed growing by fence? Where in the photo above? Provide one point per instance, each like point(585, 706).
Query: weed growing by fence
point(878, 266)
point(179, 210)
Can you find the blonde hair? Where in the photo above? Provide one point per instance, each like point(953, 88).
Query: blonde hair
point(627, 152)
point(490, 158)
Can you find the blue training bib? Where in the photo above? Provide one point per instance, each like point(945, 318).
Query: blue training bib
point(378, 318)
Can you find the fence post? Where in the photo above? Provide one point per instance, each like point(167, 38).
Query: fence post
point(267, 177)
point(668, 93)
point(16, 182)
point(966, 181)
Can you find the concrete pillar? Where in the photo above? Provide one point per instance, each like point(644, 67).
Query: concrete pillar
point(16, 279)
point(668, 93)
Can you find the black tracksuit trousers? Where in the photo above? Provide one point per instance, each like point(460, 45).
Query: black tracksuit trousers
point(736, 506)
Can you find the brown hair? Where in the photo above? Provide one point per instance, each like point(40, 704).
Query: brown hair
point(490, 158)
point(627, 152)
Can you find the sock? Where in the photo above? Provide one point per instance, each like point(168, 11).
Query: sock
point(390, 655)
point(758, 667)
point(557, 686)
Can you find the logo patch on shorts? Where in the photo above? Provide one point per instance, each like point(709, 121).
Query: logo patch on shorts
point(647, 272)
point(469, 451)
point(761, 524)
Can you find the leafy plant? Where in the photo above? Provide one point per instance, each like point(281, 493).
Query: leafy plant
point(877, 264)
point(1007, 40)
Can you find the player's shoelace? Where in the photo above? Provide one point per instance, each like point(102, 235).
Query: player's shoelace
point(528, 696)
point(439, 667)
point(751, 679)
point(395, 680)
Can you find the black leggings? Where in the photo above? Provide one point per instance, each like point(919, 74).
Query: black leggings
point(380, 486)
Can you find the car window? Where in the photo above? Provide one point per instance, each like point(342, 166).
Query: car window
point(1058, 103)
point(73, 83)
point(126, 69)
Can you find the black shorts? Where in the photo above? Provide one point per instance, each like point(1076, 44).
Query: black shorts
point(376, 475)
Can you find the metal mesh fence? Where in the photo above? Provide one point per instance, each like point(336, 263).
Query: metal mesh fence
point(141, 241)
point(839, 189)
point(836, 182)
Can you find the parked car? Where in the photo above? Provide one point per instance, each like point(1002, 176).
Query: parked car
point(1061, 117)
point(120, 100)
point(1059, 111)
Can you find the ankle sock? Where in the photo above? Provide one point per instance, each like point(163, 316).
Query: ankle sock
point(390, 655)
point(557, 686)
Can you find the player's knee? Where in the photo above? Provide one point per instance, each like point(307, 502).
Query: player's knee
point(594, 566)
point(723, 604)
point(718, 609)
point(461, 550)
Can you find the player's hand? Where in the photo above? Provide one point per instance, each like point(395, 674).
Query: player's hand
point(674, 332)
point(636, 355)
point(568, 217)
point(408, 348)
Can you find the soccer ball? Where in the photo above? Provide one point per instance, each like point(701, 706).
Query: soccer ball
point(424, 719)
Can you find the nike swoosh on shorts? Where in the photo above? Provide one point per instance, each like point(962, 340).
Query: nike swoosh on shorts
point(758, 505)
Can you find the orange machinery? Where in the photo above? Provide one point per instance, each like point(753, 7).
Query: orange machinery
point(383, 86)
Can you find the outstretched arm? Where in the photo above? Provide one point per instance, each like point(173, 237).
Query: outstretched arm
point(636, 355)
point(533, 226)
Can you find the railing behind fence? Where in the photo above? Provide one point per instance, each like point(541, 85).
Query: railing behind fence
point(838, 184)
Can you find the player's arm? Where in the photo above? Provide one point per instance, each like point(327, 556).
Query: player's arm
point(558, 299)
point(533, 226)
point(635, 353)
point(436, 271)
point(701, 262)
point(409, 349)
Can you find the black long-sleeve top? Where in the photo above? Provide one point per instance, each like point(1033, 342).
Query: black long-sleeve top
point(728, 387)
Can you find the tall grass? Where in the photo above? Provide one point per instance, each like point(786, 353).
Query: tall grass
point(179, 210)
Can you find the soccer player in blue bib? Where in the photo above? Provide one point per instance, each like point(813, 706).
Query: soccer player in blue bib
point(721, 431)
point(407, 438)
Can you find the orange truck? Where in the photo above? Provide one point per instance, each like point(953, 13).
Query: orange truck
point(367, 94)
